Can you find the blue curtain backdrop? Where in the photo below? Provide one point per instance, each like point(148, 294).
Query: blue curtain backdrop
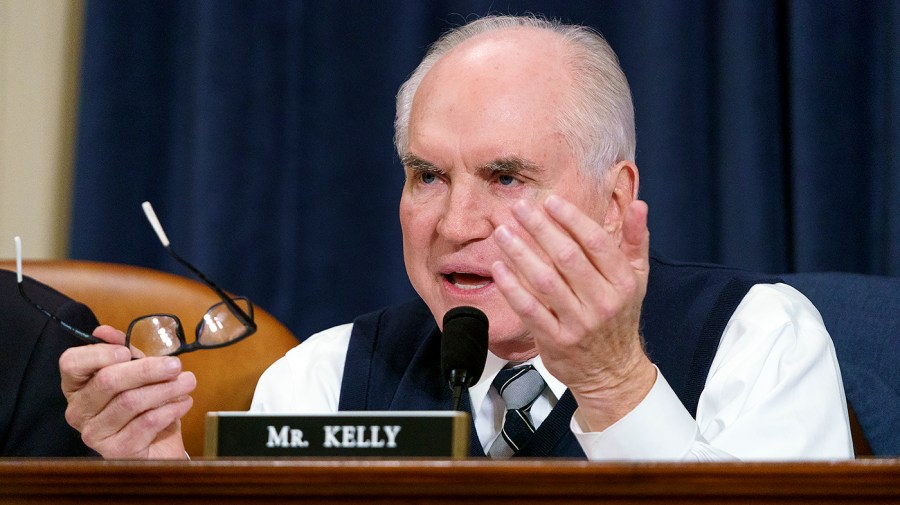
point(261, 131)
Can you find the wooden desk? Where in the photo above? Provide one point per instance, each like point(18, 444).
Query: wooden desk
point(446, 482)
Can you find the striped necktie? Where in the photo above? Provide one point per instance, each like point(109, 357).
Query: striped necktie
point(519, 387)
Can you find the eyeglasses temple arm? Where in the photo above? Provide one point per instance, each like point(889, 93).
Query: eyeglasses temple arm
point(71, 329)
point(157, 227)
point(18, 241)
point(225, 298)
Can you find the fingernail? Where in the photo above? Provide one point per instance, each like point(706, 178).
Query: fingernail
point(122, 354)
point(187, 379)
point(503, 234)
point(553, 202)
point(172, 365)
point(521, 209)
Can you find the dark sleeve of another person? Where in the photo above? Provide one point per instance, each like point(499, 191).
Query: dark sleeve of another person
point(32, 406)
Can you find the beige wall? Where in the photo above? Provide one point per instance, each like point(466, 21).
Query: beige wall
point(40, 49)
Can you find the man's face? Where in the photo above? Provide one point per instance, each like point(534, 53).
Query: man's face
point(483, 134)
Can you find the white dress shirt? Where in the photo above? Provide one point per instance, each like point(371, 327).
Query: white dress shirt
point(773, 392)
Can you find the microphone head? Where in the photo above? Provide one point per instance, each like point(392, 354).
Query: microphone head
point(464, 343)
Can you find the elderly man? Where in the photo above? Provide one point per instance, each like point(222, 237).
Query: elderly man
point(517, 138)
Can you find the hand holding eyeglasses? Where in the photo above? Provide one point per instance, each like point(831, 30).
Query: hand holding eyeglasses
point(131, 408)
point(126, 408)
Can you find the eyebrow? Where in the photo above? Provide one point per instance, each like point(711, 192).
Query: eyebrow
point(417, 164)
point(514, 165)
point(508, 165)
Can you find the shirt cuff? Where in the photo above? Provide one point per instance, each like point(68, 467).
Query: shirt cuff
point(659, 428)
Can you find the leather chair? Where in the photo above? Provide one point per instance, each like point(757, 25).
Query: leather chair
point(226, 377)
point(862, 314)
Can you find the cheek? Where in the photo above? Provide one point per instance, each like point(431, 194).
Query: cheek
point(417, 227)
point(414, 221)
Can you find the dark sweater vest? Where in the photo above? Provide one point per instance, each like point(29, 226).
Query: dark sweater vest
point(393, 360)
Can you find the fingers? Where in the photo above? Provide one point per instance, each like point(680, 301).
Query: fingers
point(150, 430)
point(77, 365)
point(114, 336)
point(581, 260)
point(153, 434)
point(578, 289)
point(605, 254)
point(543, 279)
point(106, 383)
point(109, 334)
point(121, 406)
point(567, 256)
point(532, 312)
point(574, 274)
point(636, 236)
point(135, 417)
point(126, 404)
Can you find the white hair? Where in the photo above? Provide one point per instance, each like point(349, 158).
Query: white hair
point(598, 124)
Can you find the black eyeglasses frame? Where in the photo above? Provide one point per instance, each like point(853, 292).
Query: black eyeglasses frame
point(184, 347)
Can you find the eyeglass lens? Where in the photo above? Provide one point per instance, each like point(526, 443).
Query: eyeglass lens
point(155, 335)
point(220, 325)
point(159, 334)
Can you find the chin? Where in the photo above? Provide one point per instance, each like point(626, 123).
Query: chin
point(507, 336)
point(509, 340)
point(513, 350)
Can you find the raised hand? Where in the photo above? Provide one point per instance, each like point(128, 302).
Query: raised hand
point(579, 291)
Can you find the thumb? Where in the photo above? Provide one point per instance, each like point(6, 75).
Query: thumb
point(114, 336)
point(109, 334)
point(636, 236)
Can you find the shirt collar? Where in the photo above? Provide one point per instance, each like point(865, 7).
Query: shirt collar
point(479, 391)
point(553, 383)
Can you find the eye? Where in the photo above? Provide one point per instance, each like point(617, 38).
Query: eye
point(506, 180)
point(427, 177)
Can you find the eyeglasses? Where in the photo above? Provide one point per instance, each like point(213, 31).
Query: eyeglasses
point(225, 323)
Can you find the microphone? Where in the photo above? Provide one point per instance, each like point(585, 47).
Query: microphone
point(464, 347)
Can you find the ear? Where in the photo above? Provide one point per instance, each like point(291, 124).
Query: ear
point(621, 182)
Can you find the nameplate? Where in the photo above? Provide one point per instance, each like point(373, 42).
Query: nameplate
point(437, 434)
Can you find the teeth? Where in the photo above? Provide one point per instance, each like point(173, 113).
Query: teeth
point(467, 282)
point(470, 286)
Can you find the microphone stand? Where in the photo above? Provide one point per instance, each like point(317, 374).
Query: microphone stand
point(458, 379)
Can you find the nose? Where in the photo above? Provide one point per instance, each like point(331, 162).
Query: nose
point(466, 215)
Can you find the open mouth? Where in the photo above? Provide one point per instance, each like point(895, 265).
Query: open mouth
point(467, 281)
